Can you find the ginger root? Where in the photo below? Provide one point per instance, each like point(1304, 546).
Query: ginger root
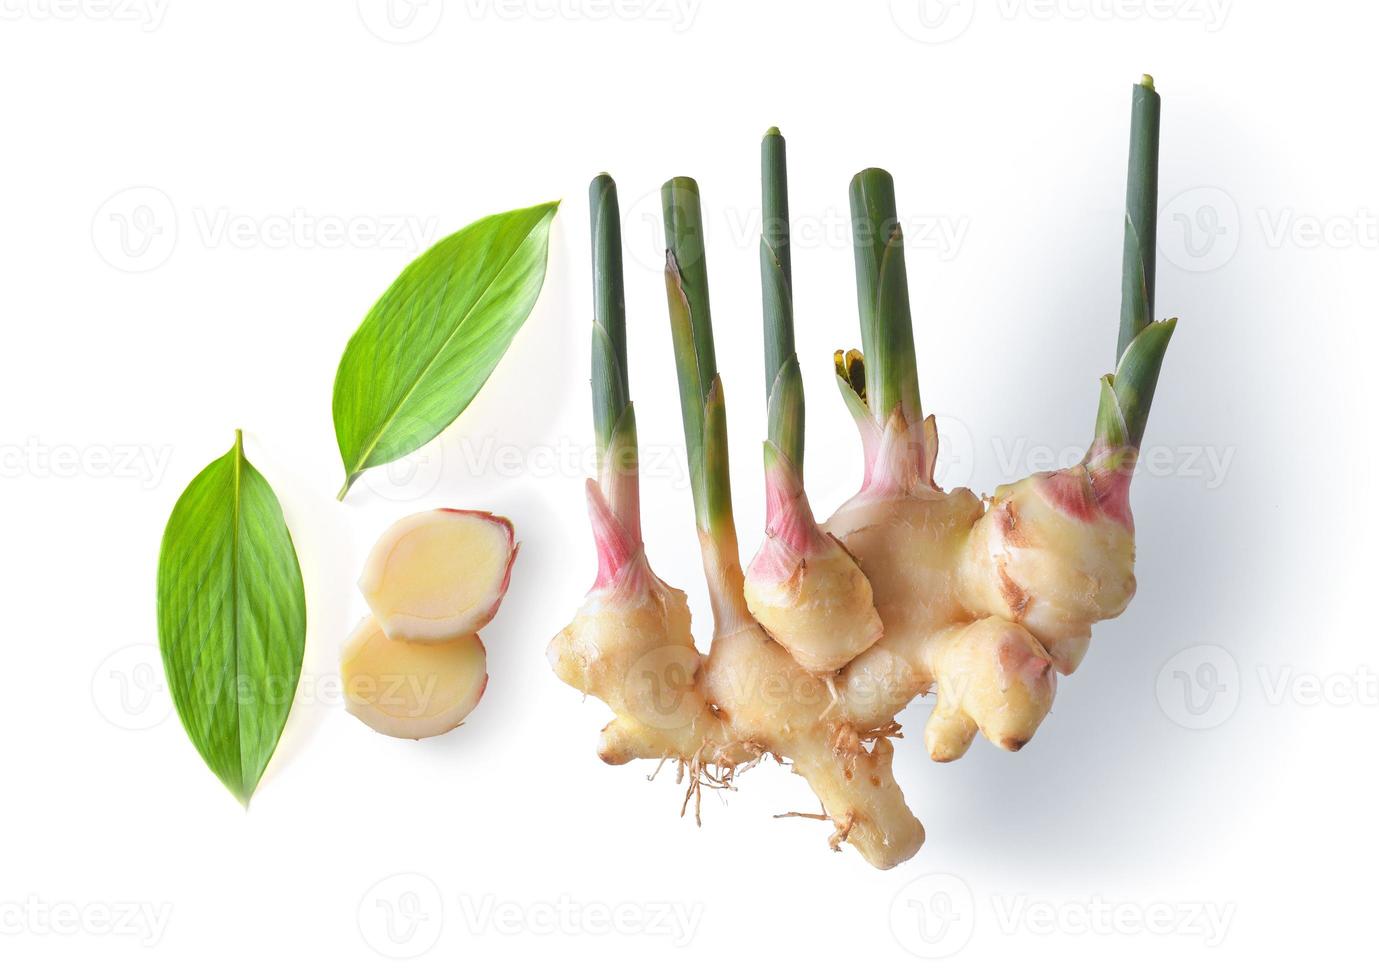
point(906, 591)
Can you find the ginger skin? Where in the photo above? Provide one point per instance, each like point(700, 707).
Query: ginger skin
point(968, 600)
point(630, 646)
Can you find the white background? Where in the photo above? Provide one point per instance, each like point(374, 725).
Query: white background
point(1202, 798)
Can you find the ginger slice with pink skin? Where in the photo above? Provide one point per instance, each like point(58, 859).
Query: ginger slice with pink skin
point(439, 574)
point(411, 690)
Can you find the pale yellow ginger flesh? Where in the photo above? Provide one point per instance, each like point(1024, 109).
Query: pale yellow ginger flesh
point(982, 604)
point(439, 575)
point(411, 690)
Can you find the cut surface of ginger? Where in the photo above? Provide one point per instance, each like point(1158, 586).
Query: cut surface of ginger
point(439, 574)
point(411, 690)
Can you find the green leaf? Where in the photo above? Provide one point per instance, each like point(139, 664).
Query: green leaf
point(1111, 430)
point(231, 618)
point(609, 354)
point(785, 412)
point(1137, 375)
point(883, 298)
point(688, 373)
point(434, 337)
point(718, 492)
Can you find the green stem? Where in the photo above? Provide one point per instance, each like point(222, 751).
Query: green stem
point(610, 380)
point(883, 299)
point(615, 423)
point(1141, 215)
point(1127, 395)
point(777, 306)
point(696, 366)
point(784, 387)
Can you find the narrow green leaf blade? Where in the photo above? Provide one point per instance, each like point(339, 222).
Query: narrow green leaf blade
point(231, 618)
point(883, 297)
point(687, 374)
point(1137, 375)
point(434, 337)
point(785, 413)
point(1111, 430)
point(609, 355)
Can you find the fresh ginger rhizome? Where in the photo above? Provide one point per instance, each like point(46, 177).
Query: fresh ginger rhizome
point(907, 590)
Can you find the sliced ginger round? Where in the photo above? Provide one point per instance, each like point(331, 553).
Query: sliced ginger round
point(411, 690)
point(439, 574)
